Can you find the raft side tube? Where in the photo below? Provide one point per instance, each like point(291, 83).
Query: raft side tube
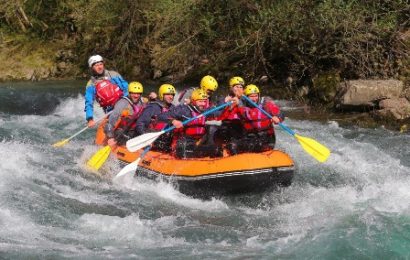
point(207, 177)
point(229, 183)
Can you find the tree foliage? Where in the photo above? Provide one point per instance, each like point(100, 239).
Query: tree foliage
point(281, 39)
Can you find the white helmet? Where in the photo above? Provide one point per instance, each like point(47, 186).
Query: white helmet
point(94, 59)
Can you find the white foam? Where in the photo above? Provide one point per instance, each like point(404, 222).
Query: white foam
point(128, 231)
point(362, 180)
point(16, 227)
point(369, 180)
point(168, 192)
point(17, 157)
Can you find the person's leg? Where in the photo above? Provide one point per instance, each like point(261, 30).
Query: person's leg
point(185, 148)
point(267, 141)
point(207, 150)
point(210, 135)
point(163, 143)
point(248, 143)
point(232, 146)
point(221, 134)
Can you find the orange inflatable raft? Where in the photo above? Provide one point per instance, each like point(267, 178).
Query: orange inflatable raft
point(204, 177)
point(242, 173)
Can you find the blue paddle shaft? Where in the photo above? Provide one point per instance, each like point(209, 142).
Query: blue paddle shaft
point(284, 127)
point(146, 150)
point(198, 116)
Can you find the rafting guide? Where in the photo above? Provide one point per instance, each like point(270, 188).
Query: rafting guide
point(105, 86)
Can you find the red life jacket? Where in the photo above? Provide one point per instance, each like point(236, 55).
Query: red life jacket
point(196, 128)
point(255, 121)
point(158, 125)
point(107, 93)
point(128, 120)
point(230, 116)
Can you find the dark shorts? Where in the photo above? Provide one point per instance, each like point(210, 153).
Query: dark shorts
point(253, 142)
point(187, 147)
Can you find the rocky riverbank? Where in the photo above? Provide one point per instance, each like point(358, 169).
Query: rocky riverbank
point(385, 101)
point(28, 59)
point(367, 103)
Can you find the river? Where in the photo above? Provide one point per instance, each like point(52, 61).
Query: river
point(354, 206)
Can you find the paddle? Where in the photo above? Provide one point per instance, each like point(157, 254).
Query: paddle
point(132, 167)
point(99, 158)
point(312, 147)
point(148, 138)
point(65, 141)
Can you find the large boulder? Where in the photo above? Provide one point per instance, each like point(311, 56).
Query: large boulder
point(395, 108)
point(366, 94)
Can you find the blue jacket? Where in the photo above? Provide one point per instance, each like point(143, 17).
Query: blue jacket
point(150, 113)
point(181, 112)
point(90, 91)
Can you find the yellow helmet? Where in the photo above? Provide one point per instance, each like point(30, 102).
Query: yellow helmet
point(199, 94)
point(236, 81)
point(251, 89)
point(135, 87)
point(209, 83)
point(165, 89)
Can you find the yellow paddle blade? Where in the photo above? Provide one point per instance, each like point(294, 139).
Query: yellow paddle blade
point(314, 148)
point(61, 143)
point(99, 158)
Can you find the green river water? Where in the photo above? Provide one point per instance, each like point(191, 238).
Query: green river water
point(354, 206)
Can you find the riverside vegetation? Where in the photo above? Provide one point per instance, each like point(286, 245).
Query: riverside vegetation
point(303, 48)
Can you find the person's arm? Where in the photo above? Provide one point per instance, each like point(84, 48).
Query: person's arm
point(174, 113)
point(144, 120)
point(270, 107)
point(89, 101)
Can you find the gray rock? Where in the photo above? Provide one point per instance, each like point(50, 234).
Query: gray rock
point(364, 93)
point(395, 108)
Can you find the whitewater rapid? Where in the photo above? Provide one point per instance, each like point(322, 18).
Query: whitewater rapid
point(356, 205)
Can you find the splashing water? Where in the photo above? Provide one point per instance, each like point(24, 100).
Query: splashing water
point(356, 205)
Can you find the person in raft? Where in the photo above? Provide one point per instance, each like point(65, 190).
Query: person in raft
point(105, 86)
point(148, 122)
point(208, 84)
point(231, 127)
point(122, 120)
point(189, 140)
point(259, 134)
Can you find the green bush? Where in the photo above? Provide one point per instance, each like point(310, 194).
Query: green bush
point(188, 38)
